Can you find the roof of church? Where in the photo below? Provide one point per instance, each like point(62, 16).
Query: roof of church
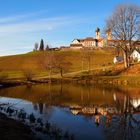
point(88, 39)
point(76, 45)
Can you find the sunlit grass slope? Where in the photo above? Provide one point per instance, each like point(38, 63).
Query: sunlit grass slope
point(15, 65)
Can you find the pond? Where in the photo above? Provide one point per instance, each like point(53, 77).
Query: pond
point(75, 112)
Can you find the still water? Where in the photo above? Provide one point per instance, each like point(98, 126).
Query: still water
point(75, 112)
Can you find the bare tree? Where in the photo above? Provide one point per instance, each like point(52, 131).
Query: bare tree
point(47, 62)
point(86, 57)
point(54, 63)
point(28, 74)
point(118, 51)
point(47, 47)
point(36, 47)
point(61, 64)
point(82, 58)
point(125, 28)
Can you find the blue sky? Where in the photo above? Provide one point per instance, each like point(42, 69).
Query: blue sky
point(58, 22)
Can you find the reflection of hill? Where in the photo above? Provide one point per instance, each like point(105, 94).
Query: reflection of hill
point(74, 95)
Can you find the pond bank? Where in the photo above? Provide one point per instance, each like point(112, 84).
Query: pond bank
point(14, 130)
point(113, 80)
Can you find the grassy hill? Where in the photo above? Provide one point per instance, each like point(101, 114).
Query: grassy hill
point(15, 65)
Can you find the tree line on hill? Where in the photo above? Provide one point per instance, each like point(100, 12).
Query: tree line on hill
point(41, 46)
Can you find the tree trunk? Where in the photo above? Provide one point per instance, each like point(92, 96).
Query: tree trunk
point(50, 73)
point(61, 72)
point(82, 65)
point(126, 59)
point(89, 65)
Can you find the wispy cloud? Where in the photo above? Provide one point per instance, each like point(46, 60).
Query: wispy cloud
point(42, 24)
point(12, 19)
point(17, 33)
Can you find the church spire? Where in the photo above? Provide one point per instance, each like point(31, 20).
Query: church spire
point(97, 33)
point(108, 34)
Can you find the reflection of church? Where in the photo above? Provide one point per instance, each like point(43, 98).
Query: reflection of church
point(92, 110)
point(127, 105)
point(104, 110)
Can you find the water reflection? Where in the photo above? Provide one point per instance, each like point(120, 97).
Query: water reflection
point(86, 112)
point(126, 124)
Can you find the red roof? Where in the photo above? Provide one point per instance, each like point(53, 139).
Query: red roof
point(76, 45)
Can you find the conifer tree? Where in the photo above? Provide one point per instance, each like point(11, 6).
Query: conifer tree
point(41, 48)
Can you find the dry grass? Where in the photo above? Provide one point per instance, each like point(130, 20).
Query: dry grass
point(15, 65)
point(133, 70)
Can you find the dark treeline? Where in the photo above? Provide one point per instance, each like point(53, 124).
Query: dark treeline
point(41, 46)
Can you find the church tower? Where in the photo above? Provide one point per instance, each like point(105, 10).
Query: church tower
point(97, 33)
point(108, 34)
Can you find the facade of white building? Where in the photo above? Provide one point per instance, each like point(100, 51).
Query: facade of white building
point(135, 55)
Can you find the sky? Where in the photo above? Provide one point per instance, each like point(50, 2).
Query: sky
point(25, 22)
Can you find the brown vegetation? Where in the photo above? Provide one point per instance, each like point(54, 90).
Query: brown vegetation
point(40, 63)
point(133, 70)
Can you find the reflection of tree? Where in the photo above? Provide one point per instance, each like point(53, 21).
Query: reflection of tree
point(45, 128)
point(44, 109)
point(125, 126)
point(97, 117)
point(40, 108)
point(35, 106)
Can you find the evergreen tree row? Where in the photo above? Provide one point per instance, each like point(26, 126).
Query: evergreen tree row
point(41, 46)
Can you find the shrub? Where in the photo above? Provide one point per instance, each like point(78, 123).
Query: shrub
point(3, 76)
point(28, 75)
